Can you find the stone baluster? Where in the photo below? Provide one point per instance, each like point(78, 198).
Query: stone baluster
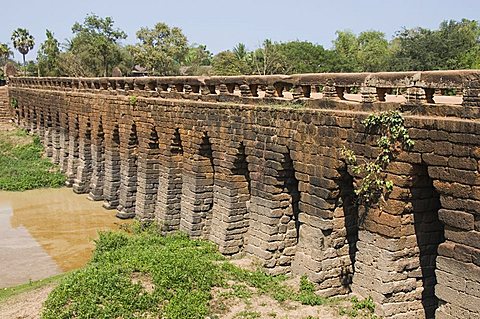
point(415, 95)
point(329, 91)
point(471, 93)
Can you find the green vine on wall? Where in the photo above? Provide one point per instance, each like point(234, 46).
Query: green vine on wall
point(14, 103)
point(373, 186)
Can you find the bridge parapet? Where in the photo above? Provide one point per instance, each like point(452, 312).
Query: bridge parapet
point(416, 87)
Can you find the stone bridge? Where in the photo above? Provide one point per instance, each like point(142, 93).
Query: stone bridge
point(253, 163)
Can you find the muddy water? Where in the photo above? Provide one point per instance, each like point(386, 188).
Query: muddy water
point(47, 231)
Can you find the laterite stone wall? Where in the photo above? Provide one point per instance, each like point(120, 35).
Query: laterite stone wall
point(269, 181)
point(5, 115)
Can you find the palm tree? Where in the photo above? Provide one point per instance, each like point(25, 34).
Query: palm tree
point(23, 41)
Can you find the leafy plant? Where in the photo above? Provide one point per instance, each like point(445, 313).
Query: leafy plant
point(365, 308)
point(373, 185)
point(133, 100)
point(14, 103)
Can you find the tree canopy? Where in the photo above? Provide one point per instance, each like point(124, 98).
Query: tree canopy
point(48, 56)
point(162, 49)
point(96, 48)
point(96, 44)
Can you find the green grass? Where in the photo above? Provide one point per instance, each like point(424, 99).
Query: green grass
point(22, 166)
point(6, 293)
point(176, 274)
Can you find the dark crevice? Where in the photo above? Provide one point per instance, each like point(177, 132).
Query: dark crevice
point(176, 145)
point(290, 183)
point(429, 232)
point(347, 200)
point(240, 166)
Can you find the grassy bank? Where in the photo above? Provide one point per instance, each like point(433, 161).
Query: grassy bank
point(22, 165)
point(10, 292)
point(145, 275)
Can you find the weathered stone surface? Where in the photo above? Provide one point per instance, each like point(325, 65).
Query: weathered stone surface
point(211, 157)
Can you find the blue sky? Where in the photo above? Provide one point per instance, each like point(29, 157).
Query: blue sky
point(222, 24)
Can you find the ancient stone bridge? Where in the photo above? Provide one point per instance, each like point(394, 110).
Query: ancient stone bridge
point(253, 164)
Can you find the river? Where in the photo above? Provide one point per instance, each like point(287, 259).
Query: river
point(48, 231)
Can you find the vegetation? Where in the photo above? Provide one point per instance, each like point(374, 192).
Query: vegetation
point(23, 41)
point(9, 292)
point(373, 186)
point(146, 275)
point(21, 164)
point(162, 50)
point(95, 45)
point(96, 48)
point(48, 56)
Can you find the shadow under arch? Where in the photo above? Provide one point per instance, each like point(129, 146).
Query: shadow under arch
point(429, 232)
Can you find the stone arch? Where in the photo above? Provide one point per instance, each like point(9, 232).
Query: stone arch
point(429, 233)
point(347, 210)
point(112, 168)
point(128, 172)
point(197, 188)
point(148, 175)
point(33, 120)
point(56, 138)
point(289, 225)
point(41, 126)
point(73, 152)
point(64, 141)
point(169, 193)
point(230, 210)
point(98, 162)
point(49, 134)
point(84, 169)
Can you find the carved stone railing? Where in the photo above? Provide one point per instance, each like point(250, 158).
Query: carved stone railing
point(414, 87)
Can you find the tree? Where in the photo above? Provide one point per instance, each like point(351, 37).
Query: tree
point(48, 56)
point(228, 63)
point(5, 53)
point(161, 50)
point(455, 45)
point(373, 51)
point(268, 60)
point(23, 41)
point(197, 60)
point(96, 44)
point(346, 49)
point(303, 57)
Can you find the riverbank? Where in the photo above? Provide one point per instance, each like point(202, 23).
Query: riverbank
point(145, 275)
point(22, 165)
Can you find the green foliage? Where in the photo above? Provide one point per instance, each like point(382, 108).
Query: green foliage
point(23, 41)
point(364, 308)
point(197, 60)
point(14, 103)
point(7, 293)
point(373, 185)
point(5, 53)
point(96, 45)
point(306, 295)
point(229, 63)
point(22, 166)
point(162, 50)
point(132, 100)
point(48, 56)
point(181, 271)
point(455, 45)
